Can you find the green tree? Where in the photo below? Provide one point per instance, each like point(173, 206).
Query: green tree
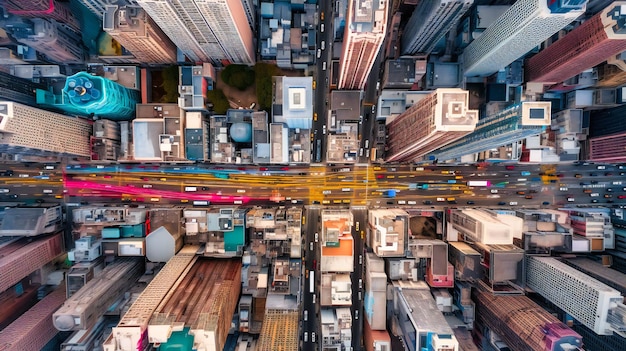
point(263, 81)
point(238, 76)
point(170, 84)
point(219, 100)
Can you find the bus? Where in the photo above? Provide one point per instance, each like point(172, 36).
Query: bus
point(478, 183)
point(312, 282)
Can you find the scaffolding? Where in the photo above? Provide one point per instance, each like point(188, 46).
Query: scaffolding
point(280, 331)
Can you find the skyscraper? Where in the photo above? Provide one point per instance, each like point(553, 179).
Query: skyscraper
point(205, 30)
point(21, 132)
point(512, 124)
point(51, 9)
point(521, 28)
point(56, 42)
point(591, 43)
point(98, 7)
point(366, 24)
point(87, 95)
point(18, 89)
point(434, 121)
point(137, 32)
point(430, 21)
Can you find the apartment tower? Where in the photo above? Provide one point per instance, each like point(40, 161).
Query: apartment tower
point(215, 31)
point(521, 28)
point(366, 23)
point(512, 124)
point(51, 9)
point(21, 132)
point(434, 121)
point(593, 42)
point(137, 32)
point(99, 7)
point(430, 21)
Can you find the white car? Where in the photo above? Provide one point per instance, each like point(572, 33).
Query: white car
point(494, 191)
point(311, 246)
point(326, 192)
point(319, 53)
point(513, 203)
point(316, 237)
point(322, 27)
point(312, 336)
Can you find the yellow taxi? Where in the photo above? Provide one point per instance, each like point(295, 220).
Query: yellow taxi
point(315, 116)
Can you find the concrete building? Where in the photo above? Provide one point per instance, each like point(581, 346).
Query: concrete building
point(158, 133)
point(292, 101)
point(99, 7)
point(50, 9)
point(366, 24)
point(196, 136)
point(193, 82)
point(568, 128)
point(205, 30)
point(522, 27)
point(48, 37)
point(430, 22)
point(375, 288)
point(22, 133)
point(512, 124)
point(337, 254)
point(137, 32)
point(483, 227)
point(476, 21)
point(593, 42)
point(388, 230)
point(403, 73)
point(18, 89)
point(434, 121)
point(336, 325)
point(233, 139)
point(423, 325)
point(609, 148)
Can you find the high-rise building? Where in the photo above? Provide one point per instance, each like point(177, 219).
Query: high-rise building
point(521, 28)
point(430, 21)
point(98, 7)
point(18, 89)
point(214, 31)
point(51, 9)
point(512, 124)
point(137, 32)
point(366, 24)
point(22, 132)
point(87, 95)
point(48, 37)
point(591, 43)
point(432, 122)
point(608, 148)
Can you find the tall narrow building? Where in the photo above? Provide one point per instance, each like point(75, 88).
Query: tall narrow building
point(366, 24)
point(137, 32)
point(512, 124)
point(98, 7)
point(434, 121)
point(22, 132)
point(51, 9)
point(430, 22)
point(593, 42)
point(213, 31)
point(521, 28)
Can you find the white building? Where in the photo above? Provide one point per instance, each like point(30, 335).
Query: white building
point(521, 28)
point(205, 30)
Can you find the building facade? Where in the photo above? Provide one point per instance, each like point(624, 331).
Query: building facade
point(593, 42)
point(21, 132)
point(521, 28)
point(365, 29)
point(205, 30)
point(51, 9)
point(137, 32)
point(434, 121)
point(512, 124)
point(98, 7)
point(430, 21)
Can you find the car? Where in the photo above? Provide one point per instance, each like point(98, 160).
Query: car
point(323, 44)
point(311, 246)
point(319, 53)
point(313, 335)
point(314, 84)
point(321, 16)
point(608, 174)
point(315, 116)
point(441, 199)
point(501, 203)
point(594, 201)
point(326, 192)
point(513, 203)
point(324, 129)
point(525, 173)
point(545, 203)
point(316, 237)
point(563, 188)
point(528, 197)
point(427, 202)
point(578, 175)
point(594, 194)
point(521, 193)
point(494, 191)
point(609, 190)
point(509, 167)
point(324, 68)
point(600, 167)
point(360, 259)
point(608, 196)
point(621, 197)
point(373, 108)
point(306, 315)
point(570, 199)
point(6, 173)
point(306, 336)
point(314, 264)
point(587, 191)
point(470, 202)
point(593, 174)
point(322, 27)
